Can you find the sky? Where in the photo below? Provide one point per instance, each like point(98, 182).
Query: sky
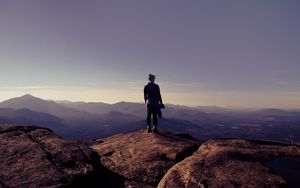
point(234, 53)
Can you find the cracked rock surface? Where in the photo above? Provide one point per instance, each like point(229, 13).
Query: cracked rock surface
point(36, 157)
point(143, 158)
point(229, 163)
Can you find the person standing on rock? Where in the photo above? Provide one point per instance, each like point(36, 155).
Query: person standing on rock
point(153, 101)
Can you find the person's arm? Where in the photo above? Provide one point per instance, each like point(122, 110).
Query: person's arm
point(145, 94)
point(159, 96)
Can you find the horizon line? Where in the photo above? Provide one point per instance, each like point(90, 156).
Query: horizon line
point(183, 105)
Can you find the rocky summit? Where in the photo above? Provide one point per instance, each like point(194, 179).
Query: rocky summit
point(36, 157)
point(143, 158)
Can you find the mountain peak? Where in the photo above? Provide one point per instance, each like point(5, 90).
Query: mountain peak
point(40, 105)
point(28, 96)
point(18, 102)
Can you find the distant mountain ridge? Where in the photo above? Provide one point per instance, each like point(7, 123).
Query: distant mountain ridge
point(39, 105)
point(79, 120)
point(85, 120)
point(25, 116)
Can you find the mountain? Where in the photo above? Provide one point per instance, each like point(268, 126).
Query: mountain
point(65, 121)
point(83, 120)
point(278, 113)
point(137, 109)
point(39, 105)
point(25, 116)
point(36, 157)
point(90, 120)
point(103, 125)
point(213, 109)
point(91, 107)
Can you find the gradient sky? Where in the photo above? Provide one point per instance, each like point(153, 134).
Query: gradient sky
point(225, 53)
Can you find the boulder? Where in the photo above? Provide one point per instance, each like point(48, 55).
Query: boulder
point(143, 158)
point(229, 163)
point(36, 157)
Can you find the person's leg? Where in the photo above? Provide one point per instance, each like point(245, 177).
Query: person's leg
point(149, 121)
point(155, 121)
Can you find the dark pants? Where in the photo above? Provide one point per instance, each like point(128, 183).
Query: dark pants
point(154, 118)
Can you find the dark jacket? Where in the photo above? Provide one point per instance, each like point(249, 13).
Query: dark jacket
point(152, 97)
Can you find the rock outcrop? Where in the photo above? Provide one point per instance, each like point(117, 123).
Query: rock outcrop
point(229, 163)
point(36, 157)
point(143, 158)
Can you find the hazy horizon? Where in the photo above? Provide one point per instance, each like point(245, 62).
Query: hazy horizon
point(204, 53)
point(141, 102)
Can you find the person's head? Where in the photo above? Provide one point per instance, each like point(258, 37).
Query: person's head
point(151, 78)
